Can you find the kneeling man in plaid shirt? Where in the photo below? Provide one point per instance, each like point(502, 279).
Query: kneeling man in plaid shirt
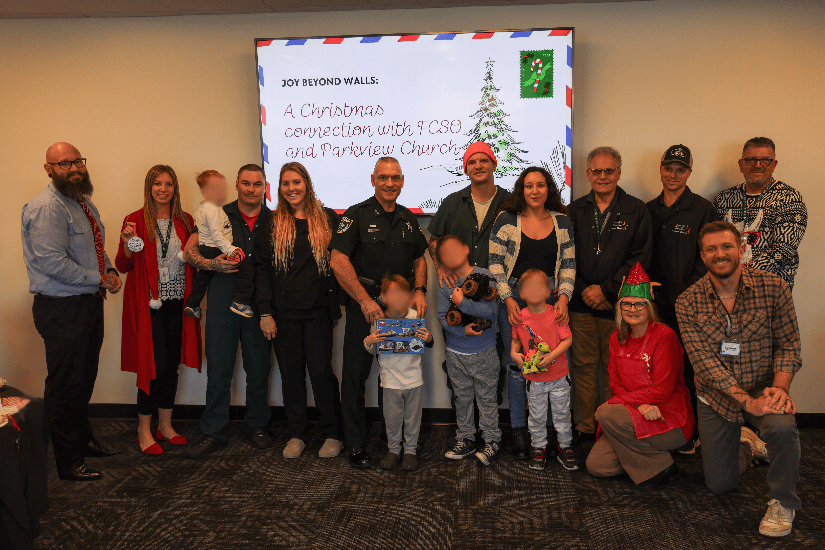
point(740, 331)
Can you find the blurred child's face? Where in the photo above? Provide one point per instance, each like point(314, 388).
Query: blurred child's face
point(534, 290)
point(396, 298)
point(453, 254)
point(214, 190)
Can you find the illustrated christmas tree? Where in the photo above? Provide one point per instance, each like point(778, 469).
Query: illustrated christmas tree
point(492, 129)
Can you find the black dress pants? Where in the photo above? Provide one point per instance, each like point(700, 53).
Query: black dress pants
point(305, 344)
point(72, 330)
point(167, 333)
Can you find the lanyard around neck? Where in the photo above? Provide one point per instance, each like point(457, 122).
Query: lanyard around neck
point(164, 245)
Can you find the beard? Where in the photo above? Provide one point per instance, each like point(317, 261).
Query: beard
point(75, 191)
point(724, 272)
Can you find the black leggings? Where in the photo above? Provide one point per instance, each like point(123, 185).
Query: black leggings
point(167, 333)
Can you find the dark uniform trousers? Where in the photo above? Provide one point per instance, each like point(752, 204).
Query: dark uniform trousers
point(72, 329)
point(354, 374)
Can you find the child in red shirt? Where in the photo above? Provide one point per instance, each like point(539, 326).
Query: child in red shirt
point(539, 334)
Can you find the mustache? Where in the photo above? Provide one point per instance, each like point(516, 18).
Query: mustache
point(75, 191)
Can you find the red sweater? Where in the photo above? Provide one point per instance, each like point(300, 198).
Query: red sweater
point(136, 349)
point(662, 384)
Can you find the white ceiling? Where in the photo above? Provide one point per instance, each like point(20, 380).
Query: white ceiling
point(32, 9)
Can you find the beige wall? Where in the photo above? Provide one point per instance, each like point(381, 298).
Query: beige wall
point(131, 93)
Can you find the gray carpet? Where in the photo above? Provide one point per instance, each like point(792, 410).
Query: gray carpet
point(243, 498)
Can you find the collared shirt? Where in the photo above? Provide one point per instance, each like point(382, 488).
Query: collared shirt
point(601, 217)
point(376, 245)
point(59, 245)
point(763, 321)
point(457, 216)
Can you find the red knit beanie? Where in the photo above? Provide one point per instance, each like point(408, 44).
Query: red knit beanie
point(479, 147)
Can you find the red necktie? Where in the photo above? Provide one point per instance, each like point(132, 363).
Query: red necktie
point(101, 262)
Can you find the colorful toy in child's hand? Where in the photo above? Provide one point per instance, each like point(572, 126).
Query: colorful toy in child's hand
point(531, 366)
point(457, 318)
point(477, 286)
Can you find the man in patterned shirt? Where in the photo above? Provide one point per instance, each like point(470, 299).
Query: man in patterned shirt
point(739, 328)
point(769, 213)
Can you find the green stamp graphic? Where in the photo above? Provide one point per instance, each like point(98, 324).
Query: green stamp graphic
point(537, 73)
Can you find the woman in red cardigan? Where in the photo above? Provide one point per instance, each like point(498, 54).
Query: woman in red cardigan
point(157, 336)
point(650, 412)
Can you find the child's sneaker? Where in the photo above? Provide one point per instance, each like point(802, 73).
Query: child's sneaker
point(567, 458)
point(193, 312)
point(539, 459)
point(461, 449)
point(488, 453)
point(241, 309)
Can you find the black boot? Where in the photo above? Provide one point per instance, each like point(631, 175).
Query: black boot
point(521, 444)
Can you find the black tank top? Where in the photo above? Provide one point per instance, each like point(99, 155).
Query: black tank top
point(537, 254)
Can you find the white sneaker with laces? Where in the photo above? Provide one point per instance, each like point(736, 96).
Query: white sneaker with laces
point(778, 520)
point(758, 449)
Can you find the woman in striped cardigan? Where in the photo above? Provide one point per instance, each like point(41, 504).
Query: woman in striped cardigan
point(530, 232)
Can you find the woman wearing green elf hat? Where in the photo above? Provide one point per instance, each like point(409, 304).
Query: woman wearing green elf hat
point(650, 412)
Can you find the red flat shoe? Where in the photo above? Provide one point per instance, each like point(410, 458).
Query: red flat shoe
point(177, 440)
point(153, 449)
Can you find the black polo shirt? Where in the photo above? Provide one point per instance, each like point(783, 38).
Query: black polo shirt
point(377, 242)
point(457, 216)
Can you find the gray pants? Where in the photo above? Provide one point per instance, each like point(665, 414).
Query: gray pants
point(725, 459)
point(402, 410)
point(475, 377)
point(559, 392)
point(619, 450)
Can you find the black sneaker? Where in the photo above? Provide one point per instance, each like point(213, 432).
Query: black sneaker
point(521, 445)
point(488, 453)
point(461, 449)
point(567, 458)
point(539, 459)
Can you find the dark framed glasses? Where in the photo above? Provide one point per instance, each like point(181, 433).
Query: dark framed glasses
point(629, 306)
point(66, 164)
point(598, 171)
point(764, 162)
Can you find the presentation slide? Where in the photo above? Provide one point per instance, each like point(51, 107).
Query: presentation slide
point(337, 105)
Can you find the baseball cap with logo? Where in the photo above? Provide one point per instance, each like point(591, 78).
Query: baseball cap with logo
point(678, 153)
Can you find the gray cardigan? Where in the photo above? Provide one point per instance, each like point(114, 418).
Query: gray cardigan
point(505, 241)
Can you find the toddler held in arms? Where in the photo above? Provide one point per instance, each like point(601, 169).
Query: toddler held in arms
point(215, 238)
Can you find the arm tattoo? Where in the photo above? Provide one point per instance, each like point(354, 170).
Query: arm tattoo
point(196, 260)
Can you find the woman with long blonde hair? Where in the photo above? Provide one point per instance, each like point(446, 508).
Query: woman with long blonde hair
point(297, 296)
point(157, 336)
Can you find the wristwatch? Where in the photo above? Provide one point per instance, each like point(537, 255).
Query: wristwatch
point(421, 288)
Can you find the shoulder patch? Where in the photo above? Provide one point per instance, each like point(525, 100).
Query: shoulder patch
point(345, 224)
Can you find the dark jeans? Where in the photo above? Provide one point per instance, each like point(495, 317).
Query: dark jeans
point(72, 330)
point(306, 345)
point(223, 330)
point(354, 374)
point(167, 333)
point(725, 458)
point(244, 279)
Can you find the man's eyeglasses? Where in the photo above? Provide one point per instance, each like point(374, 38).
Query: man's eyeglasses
point(598, 171)
point(638, 306)
point(764, 162)
point(66, 164)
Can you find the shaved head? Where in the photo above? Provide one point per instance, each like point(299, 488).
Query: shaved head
point(72, 182)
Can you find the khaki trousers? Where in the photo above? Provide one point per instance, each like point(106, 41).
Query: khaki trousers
point(589, 352)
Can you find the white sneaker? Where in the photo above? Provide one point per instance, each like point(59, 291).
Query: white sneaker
point(758, 449)
point(778, 520)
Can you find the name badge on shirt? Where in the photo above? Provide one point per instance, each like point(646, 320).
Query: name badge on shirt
point(163, 275)
point(730, 348)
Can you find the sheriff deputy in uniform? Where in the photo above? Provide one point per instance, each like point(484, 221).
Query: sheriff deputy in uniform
point(375, 238)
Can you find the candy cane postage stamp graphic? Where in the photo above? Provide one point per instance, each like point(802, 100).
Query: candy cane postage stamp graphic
point(536, 73)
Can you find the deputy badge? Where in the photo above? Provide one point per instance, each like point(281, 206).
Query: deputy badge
point(345, 224)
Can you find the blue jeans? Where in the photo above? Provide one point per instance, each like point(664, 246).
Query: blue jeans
point(516, 384)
